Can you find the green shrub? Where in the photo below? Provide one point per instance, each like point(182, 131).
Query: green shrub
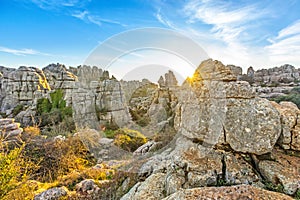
point(297, 195)
point(55, 113)
point(43, 106)
point(293, 97)
point(18, 109)
point(273, 187)
point(109, 133)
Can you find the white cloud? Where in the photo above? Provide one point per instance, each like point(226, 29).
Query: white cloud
point(292, 29)
point(163, 20)
point(21, 52)
point(285, 47)
point(94, 19)
point(80, 15)
point(228, 23)
point(56, 4)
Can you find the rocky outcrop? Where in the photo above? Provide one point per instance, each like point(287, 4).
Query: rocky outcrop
point(10, 131)
point(227, 193)
point(273, 82)
point(96, 99)
point(283, 74)
point(21, 86)
point(215, 108)
point(168, 81)
point(290, 120)
point(152, 188)
point(220, 123)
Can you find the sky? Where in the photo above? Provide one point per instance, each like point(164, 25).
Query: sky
point(258, 33)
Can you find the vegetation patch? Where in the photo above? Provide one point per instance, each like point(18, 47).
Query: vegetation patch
point(128, 139)
point(294, 97)
point(54, 115)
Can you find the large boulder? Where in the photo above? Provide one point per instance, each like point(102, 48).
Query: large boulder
point(214, 107)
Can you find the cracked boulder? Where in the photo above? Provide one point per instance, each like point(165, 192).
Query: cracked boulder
point(215, 108)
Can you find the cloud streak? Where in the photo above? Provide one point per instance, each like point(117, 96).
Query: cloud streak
point(22, 52)
point(95, 19)
point(285, 47)
point(228, 22)
point(57, 4)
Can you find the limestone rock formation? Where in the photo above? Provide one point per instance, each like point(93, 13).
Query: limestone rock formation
point(220, 123)
point(273, 82)
point(283, 74)
point(216, 108)
point(21, 86)
point(168, 81)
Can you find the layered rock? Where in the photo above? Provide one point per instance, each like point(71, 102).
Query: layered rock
point(283, 74)
point(10, 131)
point(215, 108)
point(273, 82)
point(220, 121)
point(21, 86)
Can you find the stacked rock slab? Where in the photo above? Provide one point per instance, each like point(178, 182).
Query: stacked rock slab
point(10, 131)
point(23, 86)
point(215, 112)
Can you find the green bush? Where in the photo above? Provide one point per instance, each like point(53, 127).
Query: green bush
point(297, 195)
point(293, 97)
point(55, 112)
point(17, 109)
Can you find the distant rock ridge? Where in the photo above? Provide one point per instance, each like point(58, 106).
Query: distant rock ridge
point(96, 98)
point(273, 82)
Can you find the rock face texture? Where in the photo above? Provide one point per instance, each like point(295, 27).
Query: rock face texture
point(290, 115)
point(168, 81)
point(284, 170)
point(216, 108)
point(95, 98)
point(10, 131)
point(283, 74)
point(227, 193)
point(222, 127)
point(273, 82)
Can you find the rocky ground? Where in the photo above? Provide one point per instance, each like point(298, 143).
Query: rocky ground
point(214, 137)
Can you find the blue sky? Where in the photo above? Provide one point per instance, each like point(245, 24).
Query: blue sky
point(260, 33)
